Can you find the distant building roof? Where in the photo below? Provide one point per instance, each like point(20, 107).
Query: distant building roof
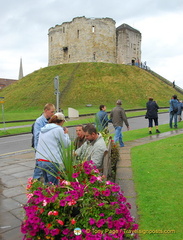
point(5, 82)
point(126, 26)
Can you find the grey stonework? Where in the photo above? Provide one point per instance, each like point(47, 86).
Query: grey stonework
point(93, 40)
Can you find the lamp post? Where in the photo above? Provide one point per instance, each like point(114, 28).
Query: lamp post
point(57, 92)
point(2, 102)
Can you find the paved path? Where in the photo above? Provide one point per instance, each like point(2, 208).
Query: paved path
point(16, 169)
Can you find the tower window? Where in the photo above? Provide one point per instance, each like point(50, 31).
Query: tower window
point(94, 56)
point(77, 33)
point(63, 29)
point(93, 29)
point(65, 49)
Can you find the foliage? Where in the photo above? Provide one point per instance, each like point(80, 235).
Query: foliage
point(88, 202)
point(114, 158)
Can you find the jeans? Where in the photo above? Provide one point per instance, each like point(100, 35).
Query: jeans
point(50, 169)
point(38, 173)
point(173, 115)
point(118, 136)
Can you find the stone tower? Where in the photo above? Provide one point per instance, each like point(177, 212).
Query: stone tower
point(83, 40)
point(128, 45)
point(93, 40)
point(20, 75)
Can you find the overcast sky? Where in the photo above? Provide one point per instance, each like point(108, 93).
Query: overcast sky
point(24, 28)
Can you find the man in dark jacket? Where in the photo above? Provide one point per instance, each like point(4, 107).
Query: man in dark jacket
point(118, 116)
point(152, 114)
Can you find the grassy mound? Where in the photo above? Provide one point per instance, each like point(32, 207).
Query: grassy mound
point(87, 83)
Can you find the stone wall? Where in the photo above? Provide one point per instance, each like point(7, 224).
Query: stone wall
point(91, 40)
point(128, 45)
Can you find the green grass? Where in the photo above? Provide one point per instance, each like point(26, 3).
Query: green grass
point(144, 132)
point(158, 175)
point(33, 114)
point(87, 83)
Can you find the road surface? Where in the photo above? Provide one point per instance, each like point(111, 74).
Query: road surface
point(22, 143)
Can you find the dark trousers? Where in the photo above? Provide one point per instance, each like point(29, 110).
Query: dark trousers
point(151, 122)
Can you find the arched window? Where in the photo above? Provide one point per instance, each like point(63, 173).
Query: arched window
point(93, 29)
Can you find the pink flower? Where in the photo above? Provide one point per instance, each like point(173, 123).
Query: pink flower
point(118, 211)
point(73, 221)
point(60, 222)
point(115, 188)
point(72, 202)
point(106, 193)
point(102, 214)
point(100, 223)
point(54, 213)
point(30, 195)
point(101, 204)
point(50, 213)
point(65, 231)
point(135, 226)
point(66, 182)
point(99, 178)
point(68, 198)
point(97, 193)
point(44, 203)
point(55, 232)
point(92, 221)
point(62, 203)
point(87, 171)
point(93, 179)
point(75, 175)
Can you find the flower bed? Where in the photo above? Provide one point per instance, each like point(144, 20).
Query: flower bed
point(88, 207)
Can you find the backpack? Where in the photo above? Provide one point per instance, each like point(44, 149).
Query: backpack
point(175, 110)
point(32, 131)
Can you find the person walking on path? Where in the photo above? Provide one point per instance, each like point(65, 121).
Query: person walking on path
point(179, 113)
point(173, 111)
point(152, 114)
point(49, 110)
point(102, 118)
point(118, 116)
point(52, 139)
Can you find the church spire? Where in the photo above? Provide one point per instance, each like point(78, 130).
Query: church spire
point(20, 70)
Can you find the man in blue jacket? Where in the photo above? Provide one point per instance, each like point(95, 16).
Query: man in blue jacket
point(102, 118)
point(173, 111)
point(49, 110)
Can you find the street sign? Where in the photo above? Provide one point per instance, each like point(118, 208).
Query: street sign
point(1, 99)
point(56, 83)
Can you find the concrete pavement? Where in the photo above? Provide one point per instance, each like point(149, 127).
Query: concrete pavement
point(16, 169)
